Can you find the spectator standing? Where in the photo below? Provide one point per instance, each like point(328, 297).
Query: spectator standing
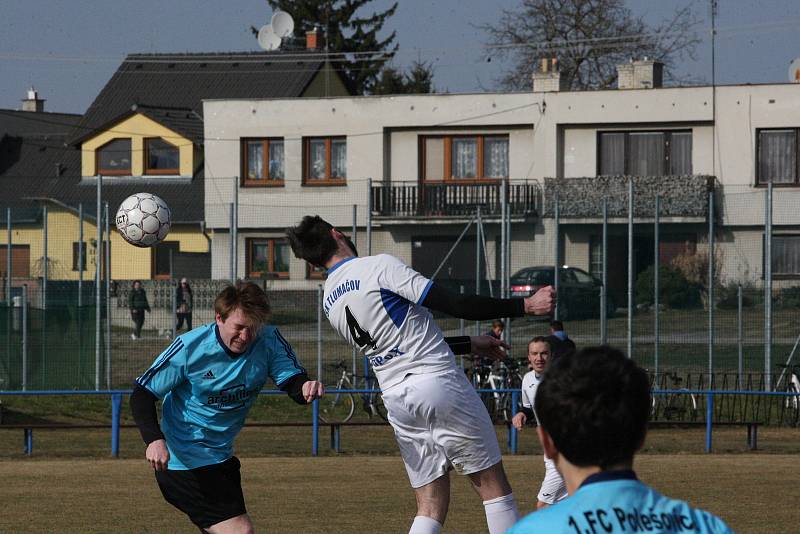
point(137, 303)
point(560, 344)
point(185, 301)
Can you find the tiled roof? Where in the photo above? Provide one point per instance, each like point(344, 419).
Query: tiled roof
point(171, 87)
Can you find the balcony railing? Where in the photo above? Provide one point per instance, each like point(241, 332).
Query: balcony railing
point(412, 199)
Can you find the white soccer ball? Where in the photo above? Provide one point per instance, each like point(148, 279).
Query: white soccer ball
point(143, 219)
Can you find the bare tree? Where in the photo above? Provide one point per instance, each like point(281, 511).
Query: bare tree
point(589, 38)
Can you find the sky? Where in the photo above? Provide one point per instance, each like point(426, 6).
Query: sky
point(68, 49)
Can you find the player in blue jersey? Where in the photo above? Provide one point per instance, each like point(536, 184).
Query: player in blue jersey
point(208, 379)
point(380, 305)
point(592, 409)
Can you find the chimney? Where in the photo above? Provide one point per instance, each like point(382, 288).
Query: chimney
point(33, 102)
point(641, 74)
point(549, 78)
point(312, 39)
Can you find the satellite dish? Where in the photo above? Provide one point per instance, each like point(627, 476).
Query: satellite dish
point(794, 71)
point(282, 24)
point(267, 39)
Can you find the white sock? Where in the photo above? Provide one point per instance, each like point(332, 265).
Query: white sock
point(501, 513)
point(425, 525)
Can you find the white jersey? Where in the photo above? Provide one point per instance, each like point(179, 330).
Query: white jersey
point(374, 303)
point(529, 384)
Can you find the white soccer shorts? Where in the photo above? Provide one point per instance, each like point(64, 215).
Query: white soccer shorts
point(440, 424)
point(553, 487)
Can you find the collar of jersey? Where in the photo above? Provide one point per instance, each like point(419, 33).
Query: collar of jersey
point(228, 351)
point(608, 476)
point(339, 264)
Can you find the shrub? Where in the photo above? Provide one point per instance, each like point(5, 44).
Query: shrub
point(789, 297)
point(674, 290)
point(728, 296)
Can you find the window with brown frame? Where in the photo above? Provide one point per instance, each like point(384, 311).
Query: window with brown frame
point(267, 258)
point(464, 157)
point(324, 160)
point(262, 162)
point(161, 157)
point(315, 273)
point(114, 157)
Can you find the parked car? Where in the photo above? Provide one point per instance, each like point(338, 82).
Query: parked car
point(578, 291)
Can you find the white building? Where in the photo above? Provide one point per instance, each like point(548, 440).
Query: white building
point(432, 158)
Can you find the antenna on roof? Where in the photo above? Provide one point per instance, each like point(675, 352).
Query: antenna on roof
point(794, 71)
point(280, 27)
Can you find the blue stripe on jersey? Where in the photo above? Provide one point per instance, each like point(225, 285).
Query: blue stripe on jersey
point(425, 292)
point(396, 306)
point(289, 351)
point(340, 263)
point(173, 349)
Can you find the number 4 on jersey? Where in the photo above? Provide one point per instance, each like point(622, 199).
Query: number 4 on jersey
point(360, 336)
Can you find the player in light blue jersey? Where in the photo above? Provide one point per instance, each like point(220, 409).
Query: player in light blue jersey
point(208, 379)
point(382, 307)
point(592, 409)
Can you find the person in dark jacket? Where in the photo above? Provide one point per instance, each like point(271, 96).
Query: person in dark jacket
point(137, 303)
point(560, 344)
point(184, 302)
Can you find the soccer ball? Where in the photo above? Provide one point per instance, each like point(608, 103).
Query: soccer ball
point(143, 219)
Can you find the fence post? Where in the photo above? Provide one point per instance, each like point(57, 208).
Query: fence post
point(710, 286)
point(369, 216)
point(116, 405)
point(24, 337)
point(44, 259)
point(478, 228)
point(355, 241)
point(557, 260)
point(461, 325)
point(514, 433)
point(97, 274)
point(709, 419)
point(630, 267)
point(315, 428)
point(107, 256)
point(80, 257)
point(768, 292)
point(656, 261)
point(8, 256)
point(604, 298)
point(319, 332)
point(235, 229)
point(740, 337)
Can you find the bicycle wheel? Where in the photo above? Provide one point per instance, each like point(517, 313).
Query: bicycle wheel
point(336, 408)
point(792, 403)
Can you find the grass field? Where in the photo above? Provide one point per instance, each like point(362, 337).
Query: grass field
point(71, 485)
point(359, 494)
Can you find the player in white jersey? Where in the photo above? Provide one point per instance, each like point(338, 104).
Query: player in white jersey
point(380, 306)
point(553, 487)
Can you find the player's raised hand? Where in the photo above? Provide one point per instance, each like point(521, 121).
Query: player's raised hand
point(488, 347)
point(313, 390)
point(157, 455)
point(542, 302)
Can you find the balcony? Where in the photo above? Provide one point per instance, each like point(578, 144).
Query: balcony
point(412, 200)
point(681, 198)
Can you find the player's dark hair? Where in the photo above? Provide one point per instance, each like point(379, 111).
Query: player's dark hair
point(247, 297)
point(498, 322)
point(540, 339)
point(311, 240)
point(556, 325)
point(595, 405)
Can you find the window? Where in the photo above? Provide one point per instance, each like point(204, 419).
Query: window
point(644, 153)
point(262, 162)
point(164, 256)
point(268, 258)
point(114, 157)
point(315, 273)
point(76, 253)
point(786, 255)
point(324, 160)
point(475, 157)
point(777, 157)
point(161, 157)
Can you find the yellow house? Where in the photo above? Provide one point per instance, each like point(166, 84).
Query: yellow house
point(143, 133)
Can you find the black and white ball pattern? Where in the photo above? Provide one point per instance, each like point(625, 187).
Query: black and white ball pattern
point(143, 219)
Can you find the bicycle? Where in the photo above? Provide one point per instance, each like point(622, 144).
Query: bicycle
point(495, 383)
point(791, 403)
point(340, 407)
point(674, 406)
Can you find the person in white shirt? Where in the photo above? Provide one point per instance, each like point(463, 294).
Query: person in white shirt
point(380, 305)
point(553, 488)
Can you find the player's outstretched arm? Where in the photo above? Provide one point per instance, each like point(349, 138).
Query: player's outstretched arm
point(143, 408)
point(481, 308)
point(301, 389)
point(489, 347)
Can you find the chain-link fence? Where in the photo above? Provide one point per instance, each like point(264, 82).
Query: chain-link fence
point(714, 312)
